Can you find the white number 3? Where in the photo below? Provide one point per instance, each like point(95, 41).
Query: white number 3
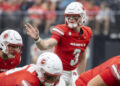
point(77, 54)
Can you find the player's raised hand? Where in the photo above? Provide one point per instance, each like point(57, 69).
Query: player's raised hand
point(32, 31)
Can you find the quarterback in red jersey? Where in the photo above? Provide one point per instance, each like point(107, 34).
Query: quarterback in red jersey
point(10, 49)
point(47, 72)
point(106, 74)
point(70, 40)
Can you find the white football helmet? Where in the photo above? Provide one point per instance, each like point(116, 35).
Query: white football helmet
point(11, 38)
point(49, 68)
point(75, 9)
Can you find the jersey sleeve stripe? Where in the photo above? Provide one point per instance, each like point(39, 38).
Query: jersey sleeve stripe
point(54, 29)
point(116, 72)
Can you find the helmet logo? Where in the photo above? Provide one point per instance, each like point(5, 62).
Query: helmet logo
point(5, 36)
point(43, 61)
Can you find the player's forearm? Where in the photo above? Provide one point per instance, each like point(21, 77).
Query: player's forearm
point(81, 67)
point(46, 44)
point(96, 81)
point(43, 45)
point(82, 64)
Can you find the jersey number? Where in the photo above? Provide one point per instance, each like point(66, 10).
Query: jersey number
point(77, 54)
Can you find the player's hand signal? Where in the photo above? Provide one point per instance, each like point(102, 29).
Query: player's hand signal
point(32, 31)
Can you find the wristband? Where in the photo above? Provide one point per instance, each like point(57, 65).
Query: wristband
point(37, 40)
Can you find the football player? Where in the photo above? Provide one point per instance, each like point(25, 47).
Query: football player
point(46, 72)
point(11, 45)
point(70, 40)
point(106, 74)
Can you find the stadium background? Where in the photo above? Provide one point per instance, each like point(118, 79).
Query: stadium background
point(102, 14)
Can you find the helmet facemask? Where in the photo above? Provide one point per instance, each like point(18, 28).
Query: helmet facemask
point(14, 49)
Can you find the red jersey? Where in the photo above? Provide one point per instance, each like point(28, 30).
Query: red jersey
point(70, 44)
point(10, 63)
point(36, 12)
point(9, 7)
point(108, 71)
point(17, 76)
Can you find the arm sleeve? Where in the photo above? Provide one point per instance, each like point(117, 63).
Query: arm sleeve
point(109, 76)
point(115, 69)
point(90, 33)
point(24, 83)
point(57, 33)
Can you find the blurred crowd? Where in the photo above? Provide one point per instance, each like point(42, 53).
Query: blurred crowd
point(103, 15)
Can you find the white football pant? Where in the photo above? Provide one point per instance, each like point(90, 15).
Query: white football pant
point(70, 77)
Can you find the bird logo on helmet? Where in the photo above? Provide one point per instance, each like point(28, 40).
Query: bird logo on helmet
point(5, 36)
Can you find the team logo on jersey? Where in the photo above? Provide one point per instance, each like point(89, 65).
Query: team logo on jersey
point(69, 33)
point(78, 44)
